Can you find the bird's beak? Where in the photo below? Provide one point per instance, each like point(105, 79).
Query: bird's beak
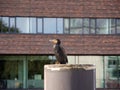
point(53, 41)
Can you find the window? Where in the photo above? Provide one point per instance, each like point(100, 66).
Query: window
point(39, 25)
point(102, 26)
point(76, 26)
point(59, 26)
point(43, 25)
point(32, 24)
point(66, 26)
point(86, 26)
point(50, 25)
point(118, 26)
point(112, 24)
point(92, 26)
point(22, 71)
point(5, 25)
point(12, 24)
point(22, 24)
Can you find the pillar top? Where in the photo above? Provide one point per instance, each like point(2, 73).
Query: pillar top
point(59, 67)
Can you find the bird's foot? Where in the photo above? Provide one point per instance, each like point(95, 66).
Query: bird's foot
point(57, 62)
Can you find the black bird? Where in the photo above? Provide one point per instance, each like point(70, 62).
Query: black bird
point(59, 52)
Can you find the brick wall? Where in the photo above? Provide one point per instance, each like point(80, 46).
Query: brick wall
point(73, 44)
point(61, 8)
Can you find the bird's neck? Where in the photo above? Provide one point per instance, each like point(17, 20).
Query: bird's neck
point(56, 45)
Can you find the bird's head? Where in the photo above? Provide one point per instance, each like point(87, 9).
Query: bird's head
point(55, 41)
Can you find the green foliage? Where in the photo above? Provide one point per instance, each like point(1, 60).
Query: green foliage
point(5, 29)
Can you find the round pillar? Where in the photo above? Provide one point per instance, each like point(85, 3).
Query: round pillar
point(69, 77)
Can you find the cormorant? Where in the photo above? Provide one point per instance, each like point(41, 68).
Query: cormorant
point(59, 52)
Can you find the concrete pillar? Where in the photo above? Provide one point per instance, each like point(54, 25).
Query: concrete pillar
point(69, 77)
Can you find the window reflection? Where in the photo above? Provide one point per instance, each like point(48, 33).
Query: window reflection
point(102, 26)
point(75, 26)
point(86, 26)
point(66, 26)
point(22, 24)
point(59, 25)
point(118, 26)
point(92, 26)
point(5, 25)
point(112, 24)
point(39, 25)
point(50, 25)
point(32, 25)
point(12, 24)
point(112, 71)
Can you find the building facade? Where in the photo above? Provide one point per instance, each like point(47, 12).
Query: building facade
point(89, 31)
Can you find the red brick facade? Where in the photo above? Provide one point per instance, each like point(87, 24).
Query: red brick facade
point(74, 44)
point(61, 8)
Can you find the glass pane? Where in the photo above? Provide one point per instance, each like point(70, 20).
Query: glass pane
point(112, 26)
point(86, 26)
point(5, 24)
point(22, 24)
point(59, 25)
point(102, 26)
point(66, 26)
point(75, 26)
point(112, 72)
point(118, 26)
point(96, 60)
point(12, 25)
point(36, 70)
point(92, 26)
point(0, 24)
point(11, 72)
point(32, 25)
point(50, 25)
point(39, 25)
